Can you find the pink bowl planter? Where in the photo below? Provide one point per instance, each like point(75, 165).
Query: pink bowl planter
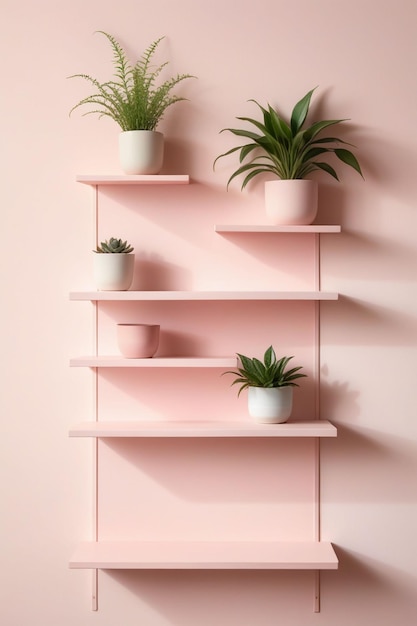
point(138, 341)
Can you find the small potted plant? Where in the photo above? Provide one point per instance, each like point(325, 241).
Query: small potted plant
point(270, 386)
point(113, 265)
point(137, 104)
point(290, 152)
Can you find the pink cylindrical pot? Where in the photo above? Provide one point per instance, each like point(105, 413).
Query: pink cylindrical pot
point(292, 202)
point(138, 341)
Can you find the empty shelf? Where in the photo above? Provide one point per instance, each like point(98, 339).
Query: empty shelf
point(255, 555)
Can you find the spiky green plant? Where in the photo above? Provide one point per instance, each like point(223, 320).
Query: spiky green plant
point(132, 98)
point(114, 246)
point(267, 373)
point(287, 150)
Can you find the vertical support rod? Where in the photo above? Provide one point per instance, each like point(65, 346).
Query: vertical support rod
point(94, 573)
point(317, 531)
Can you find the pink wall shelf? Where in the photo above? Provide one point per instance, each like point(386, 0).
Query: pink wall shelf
point(110, 518)
point(154, 179)
point(267, 228)
point(163, 428)
point(118, 361)
point(235, 555)
point(96, 296)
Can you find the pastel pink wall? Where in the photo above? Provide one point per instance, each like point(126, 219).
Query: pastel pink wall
point(362, 55)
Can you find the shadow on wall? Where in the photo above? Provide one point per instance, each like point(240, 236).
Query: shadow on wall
point(338, 399)
point(373, 257)
point(378, 593)
point(219, 597)
point(365, 323)
point(206, 460)
point(381, 460)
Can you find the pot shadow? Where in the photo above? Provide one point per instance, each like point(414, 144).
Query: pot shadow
point(155, 274)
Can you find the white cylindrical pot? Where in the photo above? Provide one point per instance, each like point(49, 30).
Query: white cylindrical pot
point(270, 405)
point(141, 151)
point(291, 202)
point(138, 341)
point(113, 272)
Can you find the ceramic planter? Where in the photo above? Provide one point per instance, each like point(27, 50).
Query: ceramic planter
point(141, 151)
point(138, 341)
point(113, 272)
point(270, 405)
point(291, 202)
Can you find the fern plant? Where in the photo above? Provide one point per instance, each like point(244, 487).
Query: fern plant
point(132, 98)
point(114, 246)
point(287, 150)
point(271, 372)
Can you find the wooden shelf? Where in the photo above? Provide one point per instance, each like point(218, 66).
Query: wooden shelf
point(270, 228)
point(151, 179)
point(118, 361)
point(188, 428)
point(96, 296)
point(254, 555)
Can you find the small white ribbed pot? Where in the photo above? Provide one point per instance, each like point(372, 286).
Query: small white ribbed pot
point(112, 271)
point(272, 405)
point(291, 202)
point(141, 151)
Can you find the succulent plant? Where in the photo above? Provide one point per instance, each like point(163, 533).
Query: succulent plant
point(269, 373)
point(114, 246)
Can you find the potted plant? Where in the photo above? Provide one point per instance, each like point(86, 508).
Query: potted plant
point(290, 151)
point(137, 104)
point(270, 386)
point(113, 265)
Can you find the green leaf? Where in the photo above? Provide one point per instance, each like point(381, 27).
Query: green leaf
point(254, 173)
point(326, 168)
point(279, 128)
point(269, 356)
point(300, 112)
point(316, 128)
point(347, 157)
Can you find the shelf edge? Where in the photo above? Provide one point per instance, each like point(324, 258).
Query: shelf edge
point(201, 429)
point(200, 296)
point(271, 228)
point(252, 555)
point(151, 179)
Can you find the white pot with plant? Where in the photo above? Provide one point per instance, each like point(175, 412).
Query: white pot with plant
point(270, 386)
point(290, 152)
point(113, 265)
point(137, 104)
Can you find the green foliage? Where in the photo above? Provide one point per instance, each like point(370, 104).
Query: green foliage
point(132, 99)
point(114, 246)
point(269, 373)
point(287, 150)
